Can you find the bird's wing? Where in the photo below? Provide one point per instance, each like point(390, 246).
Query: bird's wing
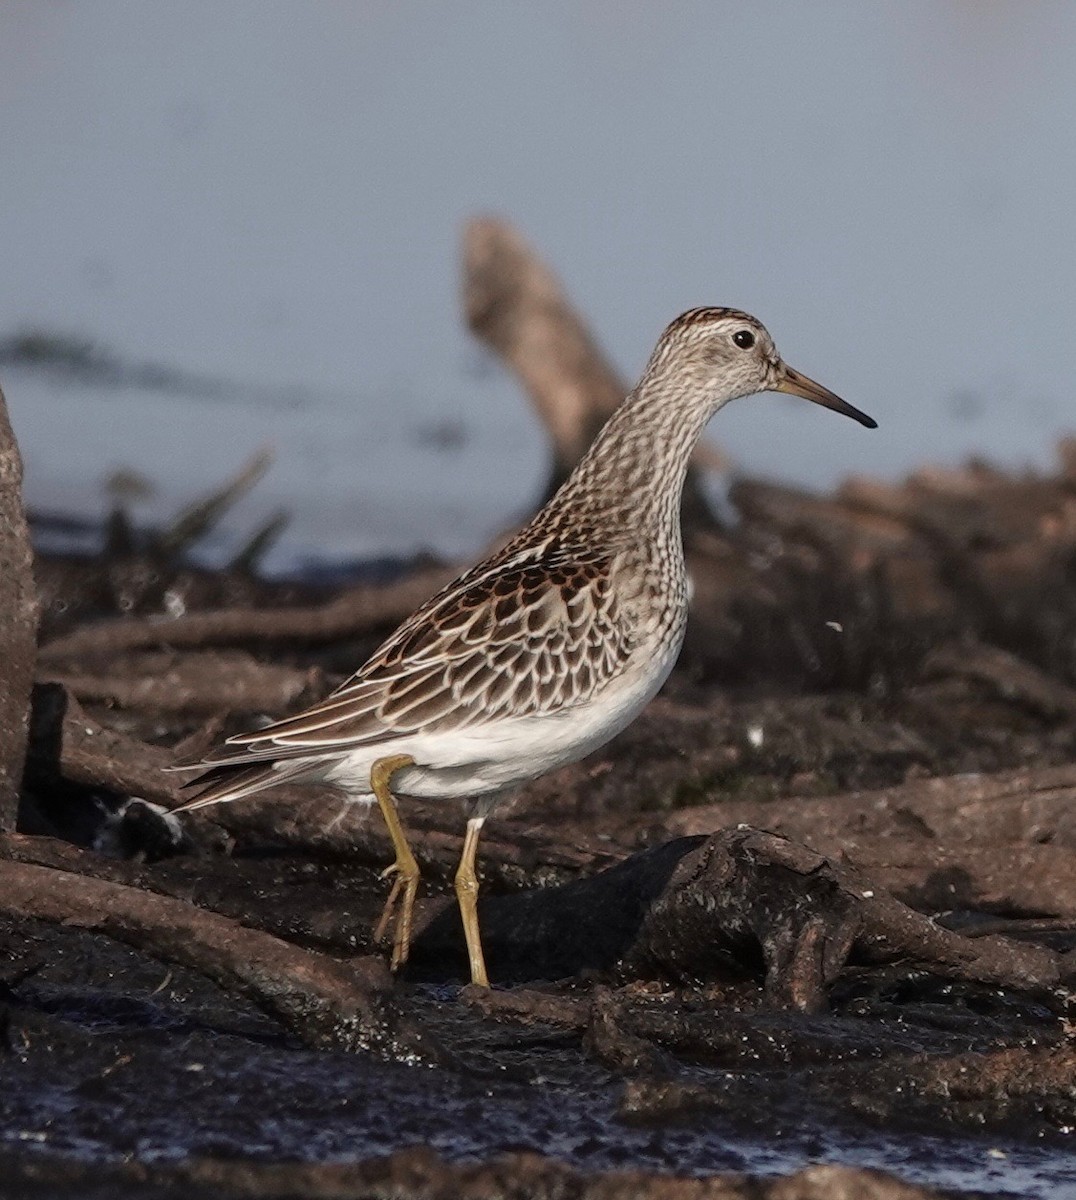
point(537, 633)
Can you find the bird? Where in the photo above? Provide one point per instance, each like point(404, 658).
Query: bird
point(543, 651)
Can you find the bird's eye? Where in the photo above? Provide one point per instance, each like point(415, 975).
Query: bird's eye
point(744, 338)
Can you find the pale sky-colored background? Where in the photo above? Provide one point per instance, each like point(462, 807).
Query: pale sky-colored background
point(271, 193)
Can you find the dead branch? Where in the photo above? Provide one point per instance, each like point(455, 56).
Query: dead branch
point(996, 1087)
point(18, 623)
point(194, 683)
point(200, 517)
point(326, 1003)
point(517, 307)
point(66, 744)
point(418, 1173)
point(249, 556)
point(696, 908)
point(1009, 676)
point(809, 917)
point(318, 820)
point(358, 611)
point(1003, 843)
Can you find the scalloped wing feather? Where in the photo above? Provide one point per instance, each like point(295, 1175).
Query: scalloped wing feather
point(532, 635)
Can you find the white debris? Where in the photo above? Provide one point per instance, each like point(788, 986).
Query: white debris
point(174, 604)
point(109, 839)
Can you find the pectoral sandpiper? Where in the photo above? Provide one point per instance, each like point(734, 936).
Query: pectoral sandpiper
point(545, 650)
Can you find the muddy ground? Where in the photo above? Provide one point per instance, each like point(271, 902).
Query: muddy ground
point(806, 930)
point(816, 906)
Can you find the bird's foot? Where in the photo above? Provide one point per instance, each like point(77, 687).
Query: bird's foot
point(405, 885)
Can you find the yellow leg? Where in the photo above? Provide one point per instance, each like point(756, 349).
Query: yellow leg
point(467, 895)
point(405, 868)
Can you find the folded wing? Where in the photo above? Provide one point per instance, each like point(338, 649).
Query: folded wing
point(510, 638)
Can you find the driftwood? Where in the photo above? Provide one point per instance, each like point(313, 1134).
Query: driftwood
point(312, 909)
point(817, 591)
point(1004, 1086)
point(313, 912)
point(195, 521)
point(831, 521)
point(323, 1001)
point(809, 917)
point(1003, 843)
point(194, 683)
point(358, 611)
point(515, 304)
point(320, 821)
point(974, 547)
point(628, 1031)
point(67, 745)
point(18, 623)
point(419, 1174)
point(694, 908)
point(1011, 677)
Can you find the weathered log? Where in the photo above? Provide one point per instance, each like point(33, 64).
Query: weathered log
point(324, 903)
point(699, 907)
point(1003, 843)
point(358, 611)
point(738, 1038)
point(418, 1173)
point(1004, 1086)
point(1034, 805)
point(18, 623)
point(973, 504)
point(1011, 677)
point(318, 820)
point(516, 306)
point(198, 518)
point(66, 744)
point(859, 536)
point(691, 908)
point(196, 683)
point(809, 916)
point(325, 1002)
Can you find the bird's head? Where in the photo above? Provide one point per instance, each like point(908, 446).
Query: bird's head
point(718, 354)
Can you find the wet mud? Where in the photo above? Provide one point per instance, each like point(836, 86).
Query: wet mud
point(806, 929)
point(111, 1057)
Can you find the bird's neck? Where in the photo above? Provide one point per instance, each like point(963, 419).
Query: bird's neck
point(631, 480)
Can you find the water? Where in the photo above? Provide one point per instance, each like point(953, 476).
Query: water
point(271, 195)
point(218, 1094)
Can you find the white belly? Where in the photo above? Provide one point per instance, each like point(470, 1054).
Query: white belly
point(482, 760)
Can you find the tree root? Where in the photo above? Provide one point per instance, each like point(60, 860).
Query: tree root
point(325, 1002)
point(357, 611)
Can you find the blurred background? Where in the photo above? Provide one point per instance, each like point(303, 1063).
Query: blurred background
point(231, 223)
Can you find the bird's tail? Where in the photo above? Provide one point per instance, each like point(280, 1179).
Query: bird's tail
point(225, 782)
